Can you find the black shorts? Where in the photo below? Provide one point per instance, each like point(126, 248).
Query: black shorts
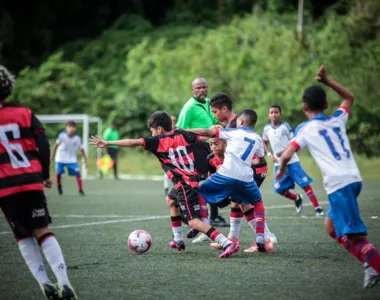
point(186, 198)
point(113, 153)
point(259, 178)
point(25, 212)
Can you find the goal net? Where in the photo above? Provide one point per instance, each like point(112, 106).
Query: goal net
point(86, 121)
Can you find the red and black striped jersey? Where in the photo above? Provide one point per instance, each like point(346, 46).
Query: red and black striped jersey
point(176, 155)
point(258, 168)
point(20, 166)
point(213, 163)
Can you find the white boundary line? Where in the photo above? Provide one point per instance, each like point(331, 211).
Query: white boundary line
point(133, 177)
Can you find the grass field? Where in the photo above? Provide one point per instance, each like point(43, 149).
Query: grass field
point(93, 233)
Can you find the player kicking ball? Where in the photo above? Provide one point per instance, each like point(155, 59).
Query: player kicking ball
point(172, 148)
point(327, 141)
point(235, 176)
point(278, 134)
point(65, 152)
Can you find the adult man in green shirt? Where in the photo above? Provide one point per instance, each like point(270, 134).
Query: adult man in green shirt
point(196, 113)
point(112, 134)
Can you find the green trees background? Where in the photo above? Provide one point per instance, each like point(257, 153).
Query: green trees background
point(248, 49)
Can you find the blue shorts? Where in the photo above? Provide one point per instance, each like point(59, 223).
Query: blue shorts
point(295, 174)
point(217, 188)
point(344, 210)
point(73, 168)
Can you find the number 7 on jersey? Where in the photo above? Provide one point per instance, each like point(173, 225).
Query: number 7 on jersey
point(251, 143)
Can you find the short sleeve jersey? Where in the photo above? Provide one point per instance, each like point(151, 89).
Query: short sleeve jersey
point(328, 144)
point(213, 163)
point(242, 144)
point(68, 148)
point(279, 138)
point(176, 155)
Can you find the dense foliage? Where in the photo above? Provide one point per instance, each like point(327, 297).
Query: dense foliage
point(134, 68)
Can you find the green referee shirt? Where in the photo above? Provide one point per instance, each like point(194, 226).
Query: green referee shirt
point(111, 135)
point(196, 114)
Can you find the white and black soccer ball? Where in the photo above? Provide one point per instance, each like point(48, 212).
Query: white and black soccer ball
point(139, 241)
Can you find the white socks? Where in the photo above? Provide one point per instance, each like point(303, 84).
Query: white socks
point(235, 225)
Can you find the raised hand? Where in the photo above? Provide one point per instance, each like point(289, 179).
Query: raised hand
point(97, 142)
point(321, 74)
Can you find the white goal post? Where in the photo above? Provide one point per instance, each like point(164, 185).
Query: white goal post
point(86, 120)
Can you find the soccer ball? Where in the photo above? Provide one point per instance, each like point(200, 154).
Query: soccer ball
point(139, 241)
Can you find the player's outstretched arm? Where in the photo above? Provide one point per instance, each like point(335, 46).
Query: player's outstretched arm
point(204, 132)
point(99, 143)
point(285, 158)
point(348, 97)
point(52, 155)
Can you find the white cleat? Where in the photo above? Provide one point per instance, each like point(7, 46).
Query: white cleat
point(319, 212)
point(298, 203)
point(273, 238)
point(200, 239)
point(371, 277)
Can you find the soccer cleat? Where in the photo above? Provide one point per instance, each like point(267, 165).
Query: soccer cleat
point(218, 246)
point(50, 291)
point(192, 233)
point(81, 193)
point(219, 221)
point(177, 245)
point(319, 212)
point(67, 293)
point(200, 239)
point(60, 192)
point(230, 250)
point(273, 238)
point(298, 203)
point(255, 248)
point(371, 278)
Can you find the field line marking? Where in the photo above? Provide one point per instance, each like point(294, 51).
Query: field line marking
point(97, 216)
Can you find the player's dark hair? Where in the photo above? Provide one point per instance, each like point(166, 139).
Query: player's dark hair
point(7, 82)
point(276, 106)
point(71, 124)
point(221, 99)
point(249, 116)
point(160, 119)
point(315, 98)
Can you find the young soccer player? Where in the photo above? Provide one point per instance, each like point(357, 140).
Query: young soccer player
point(327, 141)
point(221, 107)
point(24, 172)
point(235, 177)
point(65, 153)
point(172, 148)
point(278, 134)
point(166, 178)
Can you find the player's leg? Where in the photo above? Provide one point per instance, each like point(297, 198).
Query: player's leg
point(166, 184)
point(204, 218)
point(113, 153)
point(59, 170)
point(176, 221)
point(74, 170)
point(283, 187)
point(299, 176)
point(344, 224)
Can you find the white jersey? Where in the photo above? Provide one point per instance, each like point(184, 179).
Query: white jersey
point(68, 148)
point(328, 143)
point(242, 144)
point(279, 138)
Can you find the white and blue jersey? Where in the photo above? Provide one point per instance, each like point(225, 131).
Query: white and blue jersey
point(66, 155)
point(328, 144)
point(235, 177)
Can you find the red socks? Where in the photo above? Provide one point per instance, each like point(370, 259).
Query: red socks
point(289, 195)
point(310, 193)
point(79, 182)
point(259, 215)
point(58, 178)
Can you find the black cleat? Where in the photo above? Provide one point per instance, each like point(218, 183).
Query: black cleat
point(219, 222)
point(180, 246)
point(298, 203)
point(81, 193)
point(51, 292)
point(60, 192)
point(261, 248)
point(67, 293)
point(192, 233)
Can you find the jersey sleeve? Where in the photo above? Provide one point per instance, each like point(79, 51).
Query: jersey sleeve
point(289, 131)
point(260, 147)
point(223, 134)
point(342, 113)
point(151, 143)
point(211, 166)
point(106, 134)
point(36, 125)
point(184, 118)
point(59, 138)
point(299, 140)
point(190, 137)
point(265, 134)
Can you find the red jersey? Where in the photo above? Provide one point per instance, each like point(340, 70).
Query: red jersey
point(258, 168)
point(20, 167)
point(213, 163)
point(176, 155)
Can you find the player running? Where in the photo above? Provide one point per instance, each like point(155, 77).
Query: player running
point(327, 141)
point(172, 148)
point(65, 152)
point(278, 134)
point(24, 171)
point(235, 177)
